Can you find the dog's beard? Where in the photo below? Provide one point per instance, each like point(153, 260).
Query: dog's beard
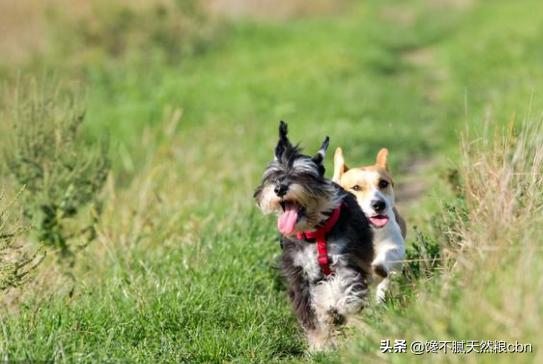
point(299, 209)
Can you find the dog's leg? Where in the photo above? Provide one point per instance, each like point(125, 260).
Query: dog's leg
point(299, 291)
point(334, 301)
point(320, 338)
point(324, 336)
point(388, 261)
point(380, 274)
point(382, 289)
point(324, 301)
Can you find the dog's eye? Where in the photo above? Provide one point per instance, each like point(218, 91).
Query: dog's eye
point(383, 184)
point(356, 188)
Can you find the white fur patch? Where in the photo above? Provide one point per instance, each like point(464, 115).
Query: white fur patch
point(343, 292)
point(307, 260)
point(389, 247)
point(268, 201)
point(305, 165)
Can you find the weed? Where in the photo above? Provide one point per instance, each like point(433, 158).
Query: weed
point(16, 263)
point(422, 256)
point(60, 173)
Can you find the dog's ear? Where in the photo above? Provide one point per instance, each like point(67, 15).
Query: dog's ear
point(283, 143)
point(339, 165)
point(319, 157)
point(382, 158)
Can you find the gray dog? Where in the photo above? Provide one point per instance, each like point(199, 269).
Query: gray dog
point(326, 240)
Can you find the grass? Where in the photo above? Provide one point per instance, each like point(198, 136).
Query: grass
point(182, 269)
point(490, 279)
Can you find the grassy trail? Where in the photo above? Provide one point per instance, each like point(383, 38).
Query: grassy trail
point(183, 267)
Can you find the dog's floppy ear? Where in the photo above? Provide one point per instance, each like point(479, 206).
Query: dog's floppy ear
point(319, 157)
point(339, 165)
point(283, 143)
point(382, 158)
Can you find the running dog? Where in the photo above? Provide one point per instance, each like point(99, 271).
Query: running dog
point(373, 187)
point(326, 240)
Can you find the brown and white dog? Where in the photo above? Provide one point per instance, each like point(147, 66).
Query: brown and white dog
point(373, 188)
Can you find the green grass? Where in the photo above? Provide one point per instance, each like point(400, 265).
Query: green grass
point(183, 266)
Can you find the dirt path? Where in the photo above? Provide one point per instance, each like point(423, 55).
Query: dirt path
point(414, 183)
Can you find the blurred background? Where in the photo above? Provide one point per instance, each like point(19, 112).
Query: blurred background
point(178, 103)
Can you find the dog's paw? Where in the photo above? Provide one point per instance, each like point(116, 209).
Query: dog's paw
point(321, 340)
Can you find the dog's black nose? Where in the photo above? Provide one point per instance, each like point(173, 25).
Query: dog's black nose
point(378, 205)
point(281, 190)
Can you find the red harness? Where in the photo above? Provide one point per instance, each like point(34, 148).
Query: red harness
point(320, 236)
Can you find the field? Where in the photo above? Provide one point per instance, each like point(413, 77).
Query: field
point(181, 266)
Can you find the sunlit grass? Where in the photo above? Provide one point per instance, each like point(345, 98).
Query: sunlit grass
point(183, 265)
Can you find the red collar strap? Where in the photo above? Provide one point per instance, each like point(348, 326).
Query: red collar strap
point(320, 236)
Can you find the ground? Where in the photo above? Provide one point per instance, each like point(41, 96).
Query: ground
point(183, 267)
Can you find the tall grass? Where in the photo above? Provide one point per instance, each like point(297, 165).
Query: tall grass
point(60, 173)
point(181, 269)
point(491, 281)
point(502, 183)
point(17, 262)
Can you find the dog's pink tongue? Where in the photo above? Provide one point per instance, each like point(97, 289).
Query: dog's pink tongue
point(379, 220)
point(287, 220)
